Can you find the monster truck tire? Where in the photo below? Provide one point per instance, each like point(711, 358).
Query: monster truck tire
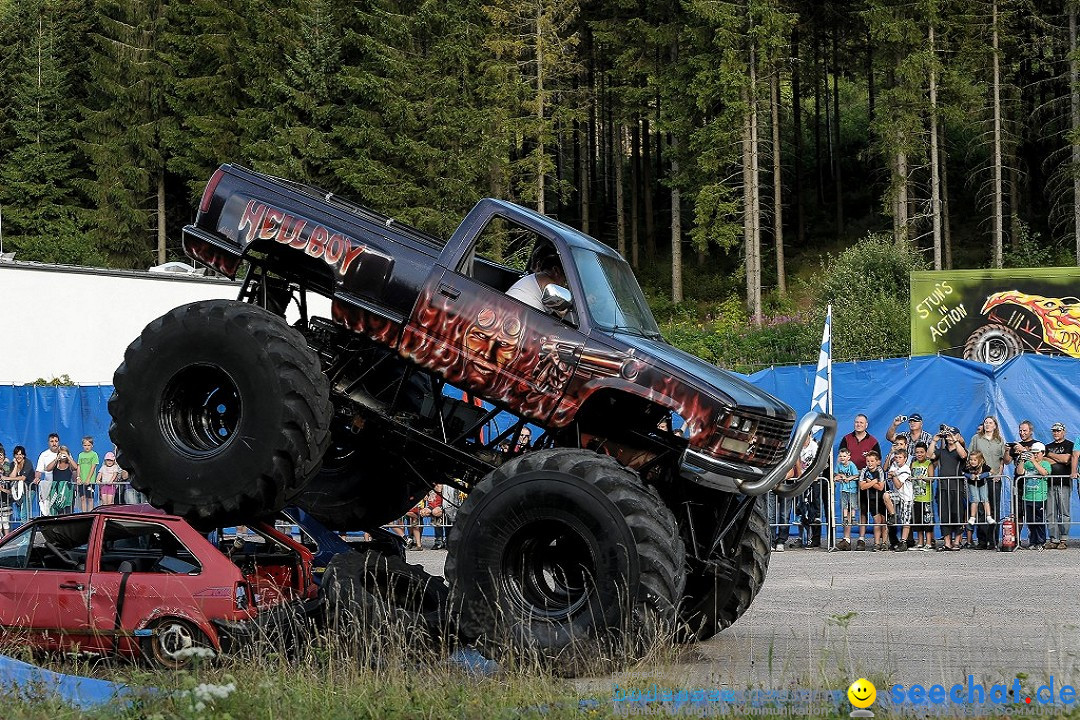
point(358, 486)
point(993, 344)
point(710, 604)
point(557, 554)
point(372, 591)
point(220, 412)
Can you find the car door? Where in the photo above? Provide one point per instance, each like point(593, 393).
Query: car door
point(465, 328)
point(44, 584)
point(144, 570)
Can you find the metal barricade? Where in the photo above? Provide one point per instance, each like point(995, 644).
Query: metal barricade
point(951, 509)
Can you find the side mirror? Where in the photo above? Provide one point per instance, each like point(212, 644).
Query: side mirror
point(556, 298)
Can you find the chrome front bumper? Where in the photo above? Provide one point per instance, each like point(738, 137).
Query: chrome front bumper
point(729, 476)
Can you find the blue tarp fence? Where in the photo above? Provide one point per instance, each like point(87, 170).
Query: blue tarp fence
point(942, 389)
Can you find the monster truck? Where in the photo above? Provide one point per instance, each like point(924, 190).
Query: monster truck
point(225, 409)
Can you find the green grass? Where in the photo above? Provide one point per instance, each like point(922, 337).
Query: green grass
point(330, 686)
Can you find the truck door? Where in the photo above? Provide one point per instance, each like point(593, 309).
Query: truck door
point(465, 327)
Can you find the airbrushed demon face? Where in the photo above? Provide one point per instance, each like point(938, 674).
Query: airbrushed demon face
point(492, 342)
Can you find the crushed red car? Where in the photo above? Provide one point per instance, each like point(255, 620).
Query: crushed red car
point(134, 581)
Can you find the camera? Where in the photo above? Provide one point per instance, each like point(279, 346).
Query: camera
point(1026, 455)
point(944, 429)
point(901, 418)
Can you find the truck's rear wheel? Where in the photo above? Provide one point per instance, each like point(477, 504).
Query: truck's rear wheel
point(558, 554)
point(220, 411)
point(352, 491)
point(712, 604)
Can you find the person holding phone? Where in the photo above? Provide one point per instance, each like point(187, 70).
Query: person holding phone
point(64, 475)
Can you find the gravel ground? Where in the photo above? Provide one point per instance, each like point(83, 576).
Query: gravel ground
point(904, 618)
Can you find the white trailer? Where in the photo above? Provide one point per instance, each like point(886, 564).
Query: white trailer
point(78, 321)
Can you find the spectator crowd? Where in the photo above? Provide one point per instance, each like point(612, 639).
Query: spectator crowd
point(59, 481)
point(928, 492)
point(937, 491)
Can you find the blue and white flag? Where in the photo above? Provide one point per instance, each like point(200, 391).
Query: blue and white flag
point(821, 400)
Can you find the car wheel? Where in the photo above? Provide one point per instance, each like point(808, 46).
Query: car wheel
point(566, 557)
point(175, 644)
point(712, 603)
point(220, 411)
point(993, 344)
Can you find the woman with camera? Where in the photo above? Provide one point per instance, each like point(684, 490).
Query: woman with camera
point(951, 490)
point(64, 474)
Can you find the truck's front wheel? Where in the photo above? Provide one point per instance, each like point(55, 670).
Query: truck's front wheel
point(558, 555)
point(712, 603)
point(220, 411)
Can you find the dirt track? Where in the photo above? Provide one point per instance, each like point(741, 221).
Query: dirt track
point(897, 618)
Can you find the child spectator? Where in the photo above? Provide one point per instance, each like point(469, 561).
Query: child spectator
point(977, 474)
point(433, 509)
point(88, 464)
point(899, 443)
point(107, 477)
point(1034, 469)
point(922, 472)
point(899, 500)
point(846, 479)
point(871, 486)
point(415, 527)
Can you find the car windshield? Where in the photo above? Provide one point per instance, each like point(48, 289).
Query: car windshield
point(612, 294)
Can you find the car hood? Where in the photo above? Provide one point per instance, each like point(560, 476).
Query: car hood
point(728, 387)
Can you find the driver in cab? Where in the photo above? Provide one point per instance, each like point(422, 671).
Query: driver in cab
point(546, 270)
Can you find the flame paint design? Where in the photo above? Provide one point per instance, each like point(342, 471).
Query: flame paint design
point(368, 323)
point(547, 378)
point(1060, 317)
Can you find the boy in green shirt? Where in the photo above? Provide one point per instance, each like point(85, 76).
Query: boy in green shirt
point(922, 472)
point(1034, 469)
point(88, 462)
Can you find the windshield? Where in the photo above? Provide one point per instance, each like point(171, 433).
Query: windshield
point(612, 294)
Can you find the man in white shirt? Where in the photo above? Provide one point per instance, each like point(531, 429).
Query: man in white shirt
point(546, 269)
point(43, 473)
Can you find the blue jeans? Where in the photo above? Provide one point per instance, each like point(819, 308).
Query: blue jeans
point(779, 511)
point(1033, 518)
point(1058, 512)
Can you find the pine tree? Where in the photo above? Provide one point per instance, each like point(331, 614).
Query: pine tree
point(290, 129)
point(533, 44)
point(42, 217)
point(201, 46)
point(124, 128)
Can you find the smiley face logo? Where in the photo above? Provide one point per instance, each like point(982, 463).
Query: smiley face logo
point(862, 693)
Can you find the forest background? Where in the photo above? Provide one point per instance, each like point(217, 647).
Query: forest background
point(755, 160)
